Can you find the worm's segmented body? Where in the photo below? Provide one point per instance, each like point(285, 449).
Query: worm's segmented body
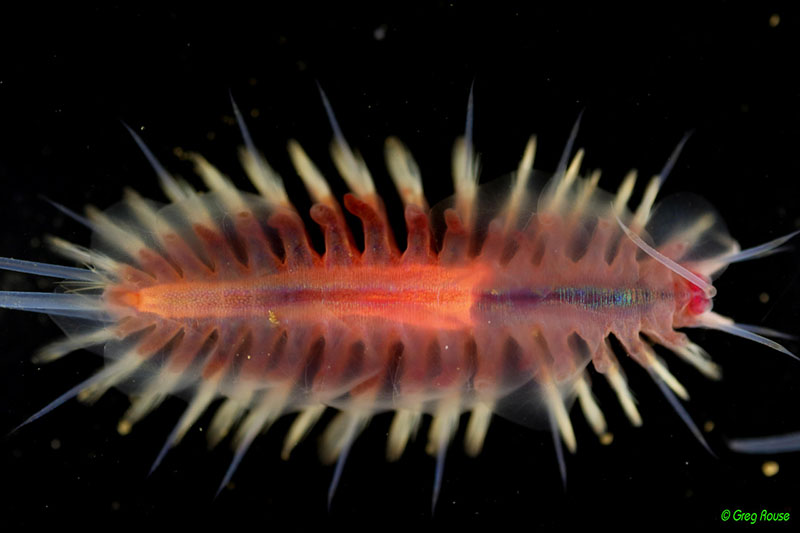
point(221, 294)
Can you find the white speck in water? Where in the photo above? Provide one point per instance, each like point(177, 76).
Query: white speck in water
point(770, 468)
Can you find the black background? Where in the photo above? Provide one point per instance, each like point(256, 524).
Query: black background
point(67, 78)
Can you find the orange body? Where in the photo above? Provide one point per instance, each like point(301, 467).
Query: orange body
point(421, 295)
